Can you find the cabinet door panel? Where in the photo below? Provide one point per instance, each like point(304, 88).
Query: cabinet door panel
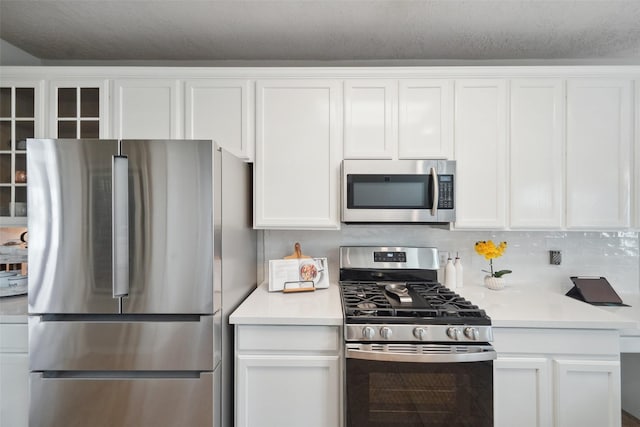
point(298, 153)
point(219, 110)
point(371, 125)
point(598, 153)
point(14, 389)
point(480, 152)
point(587, 393)
point(146, 109)
point(288, 391)
point(522, 392)
point(426, 119)
point(537, 154)
point(78, 107)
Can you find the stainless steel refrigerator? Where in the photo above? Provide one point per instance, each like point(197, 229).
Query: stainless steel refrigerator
point(128, 242)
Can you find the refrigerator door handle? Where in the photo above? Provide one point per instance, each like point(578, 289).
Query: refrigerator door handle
point(120, 226)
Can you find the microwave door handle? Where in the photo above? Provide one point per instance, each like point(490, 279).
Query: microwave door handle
point(120, 226)
point(436, 192)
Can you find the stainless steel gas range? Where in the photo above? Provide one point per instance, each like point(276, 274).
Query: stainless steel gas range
point(417, 353)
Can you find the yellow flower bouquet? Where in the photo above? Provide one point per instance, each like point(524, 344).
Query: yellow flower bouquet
point(490, 251)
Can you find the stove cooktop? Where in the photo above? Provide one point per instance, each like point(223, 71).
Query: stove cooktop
point(417, 303)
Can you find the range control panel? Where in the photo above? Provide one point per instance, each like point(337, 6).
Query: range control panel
point(390, 257)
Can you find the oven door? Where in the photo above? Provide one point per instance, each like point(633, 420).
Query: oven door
point(419, 385)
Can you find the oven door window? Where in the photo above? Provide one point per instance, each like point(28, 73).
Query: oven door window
point(389, 191)
point(419, 394)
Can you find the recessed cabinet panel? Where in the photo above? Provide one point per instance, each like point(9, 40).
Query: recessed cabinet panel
point(537, 154)
point(146, 109)
point(426, 119)
point(599, 132)
point(522, 392)
point(587, 393)
point(78, 108)
point(219, 110)
point(298, 154)
point(480, 152)
point(370, 119)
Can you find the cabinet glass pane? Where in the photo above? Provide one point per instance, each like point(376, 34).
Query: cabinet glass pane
point(25, 102)
point(5, 102)
point(5, 135)
point(5, 200)
point(89, 129)
point(67, 129)
point(89, 102)
point(20, 207)
point(21, 169)
point(67, 102)
point(24, 130)
point(5, 168)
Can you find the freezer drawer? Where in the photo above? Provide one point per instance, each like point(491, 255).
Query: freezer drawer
point(160, 343)
point(122, 402)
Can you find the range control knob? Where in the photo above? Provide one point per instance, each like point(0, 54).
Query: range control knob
point(368, 332)
point(453, 333)
point(420, 333)
point(471, 333)
point(385, 332)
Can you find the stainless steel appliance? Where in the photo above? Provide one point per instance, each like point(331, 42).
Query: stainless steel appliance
point(127, 258)
point(398, 191)
point(417, 354)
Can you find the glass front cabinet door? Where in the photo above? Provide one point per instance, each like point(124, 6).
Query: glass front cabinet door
point(77, 109)
point(20, 112)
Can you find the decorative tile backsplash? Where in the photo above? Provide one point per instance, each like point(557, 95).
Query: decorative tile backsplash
point(615, 255)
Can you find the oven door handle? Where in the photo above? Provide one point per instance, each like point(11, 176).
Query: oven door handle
point(384, 356)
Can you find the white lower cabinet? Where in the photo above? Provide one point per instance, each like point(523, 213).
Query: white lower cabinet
point(521, 391)
point(288, 376)
point(14, 375)
point(557, 377)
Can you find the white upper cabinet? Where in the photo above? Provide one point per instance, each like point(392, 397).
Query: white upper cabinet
point(480, 153)
point(78, 108)
point(298, 154)
point(636, 181)
point(536, 161)
point(599, 132)
point(370, 119)
point(219, 109)
point(426, 119)
point(146, 108)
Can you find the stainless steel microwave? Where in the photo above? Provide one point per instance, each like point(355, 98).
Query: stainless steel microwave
point(401, 191)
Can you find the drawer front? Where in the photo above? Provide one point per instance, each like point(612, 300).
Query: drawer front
point(289, 338)
point(14, 338)
point(123, 402)
point(121, 345)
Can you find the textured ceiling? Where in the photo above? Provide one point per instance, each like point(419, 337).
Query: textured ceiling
point(323, 30)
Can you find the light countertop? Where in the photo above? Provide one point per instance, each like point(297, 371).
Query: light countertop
point(320, 307)
point(531, 306)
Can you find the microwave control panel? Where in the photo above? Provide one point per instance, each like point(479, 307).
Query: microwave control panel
point(445, 185)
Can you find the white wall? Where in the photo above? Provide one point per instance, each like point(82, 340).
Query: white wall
point(614, 255)
point(11, 55)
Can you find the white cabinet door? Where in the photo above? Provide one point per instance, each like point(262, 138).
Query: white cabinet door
point(218, 109)
point(537, 154)
point(636, 182)
point(298, 154)
point(14, 389)
point(146, 109)
point(370, 119)
point(480, 152)
point(78, 108)
point(426, 119)
point(587, 393)
point(522, 392)
point(288, 391)
point(599, 132)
